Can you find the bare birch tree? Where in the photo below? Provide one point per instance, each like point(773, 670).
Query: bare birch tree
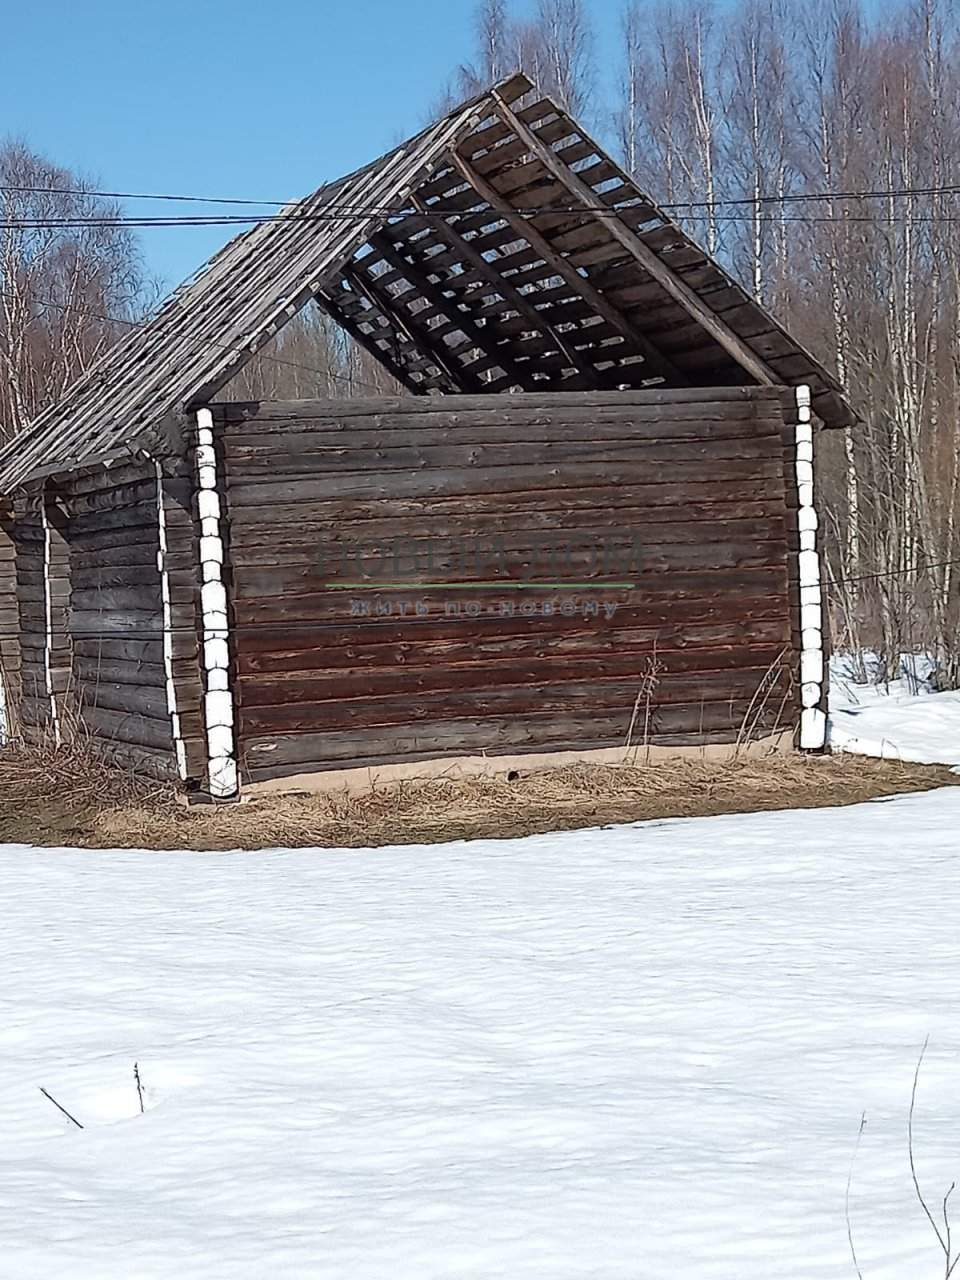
point(62, 288)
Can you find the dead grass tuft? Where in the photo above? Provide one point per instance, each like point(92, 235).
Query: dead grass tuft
point(73, 797)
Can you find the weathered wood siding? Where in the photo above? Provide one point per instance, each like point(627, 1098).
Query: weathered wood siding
point(698, 650)
point(9, 628)
point(34, 708)
point(116, 608)
point(99, 556)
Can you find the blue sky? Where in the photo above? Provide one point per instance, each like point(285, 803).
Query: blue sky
point(261, 99)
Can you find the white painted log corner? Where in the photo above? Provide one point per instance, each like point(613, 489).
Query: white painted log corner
point(813, 719)
point(222, 772)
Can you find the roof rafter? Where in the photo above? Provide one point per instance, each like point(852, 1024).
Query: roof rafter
point(367, 341)
point(419, 341)
point(660, 366)
point(651, 263)
point(486, 268)
point(403, 259)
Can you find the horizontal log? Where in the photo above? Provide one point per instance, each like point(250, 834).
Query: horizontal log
point(121, 650)
point(312, 547)
point(266, 542)
point(98, 479)
point(105, 541)
point(690, 423)
point(265, 410)
point(577, 729)
point(689, 481)
point(297, 467)
point(96, 671)
point(415, 707)
point(119, 599)
point(244, 520)
point(113, 696)
point(142, 493)
point(251, 773)
point(127, 727)
point(617, 560)
point(133, 520)
point(558, 672)
point(394, 648)
point(151, 763)
point(144, 731)
point(104, 578)
point(33, 615)
point(324, 436)
point(334, 622)
point(653, 589)
point(104, 623)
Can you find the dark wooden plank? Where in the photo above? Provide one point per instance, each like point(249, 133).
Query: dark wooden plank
point(577, 729)
point(395, 644)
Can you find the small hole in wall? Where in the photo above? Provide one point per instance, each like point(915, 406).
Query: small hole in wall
point(513, 775)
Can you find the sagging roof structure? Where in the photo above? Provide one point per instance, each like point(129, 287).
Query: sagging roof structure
point(500, 248)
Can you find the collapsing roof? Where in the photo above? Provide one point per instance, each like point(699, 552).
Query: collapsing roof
point(498, 249)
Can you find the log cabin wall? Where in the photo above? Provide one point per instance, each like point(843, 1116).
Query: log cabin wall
point(90, 540)
point(135, 652)
point(688, 641)
point(9, 632)
point(41, 620)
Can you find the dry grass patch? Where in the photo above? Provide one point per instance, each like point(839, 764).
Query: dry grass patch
point(73, 797)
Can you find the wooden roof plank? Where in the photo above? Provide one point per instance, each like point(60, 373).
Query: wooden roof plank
point(658, 365)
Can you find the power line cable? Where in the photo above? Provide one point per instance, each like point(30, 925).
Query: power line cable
point(722, 202)
point(394, 215)
point(895, 572)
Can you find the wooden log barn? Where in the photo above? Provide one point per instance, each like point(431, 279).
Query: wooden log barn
point(588, 524)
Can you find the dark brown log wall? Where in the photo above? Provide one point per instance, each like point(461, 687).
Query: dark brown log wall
point(40, 557)
point(9, 626)
point(107, 656)
point(698, 650)
point(116, 610)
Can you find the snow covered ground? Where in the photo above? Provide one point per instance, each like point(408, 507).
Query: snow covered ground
point(900, 720)
point(640, 1052)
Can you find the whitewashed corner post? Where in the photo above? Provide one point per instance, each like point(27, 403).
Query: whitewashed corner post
point(222, 771)
point(813, 719)
point(172, 708)
point(48, 622)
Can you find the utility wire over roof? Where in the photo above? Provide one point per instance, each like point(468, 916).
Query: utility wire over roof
point(547, 269)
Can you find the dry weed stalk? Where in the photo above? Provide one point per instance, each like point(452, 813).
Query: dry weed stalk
point(77, 772)
point(758, 703)
point(944, 1238)
point(645, 692)
point(846, 1198)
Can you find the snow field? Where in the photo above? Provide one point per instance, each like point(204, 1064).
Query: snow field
point(634, 1052)
point(902, 720)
